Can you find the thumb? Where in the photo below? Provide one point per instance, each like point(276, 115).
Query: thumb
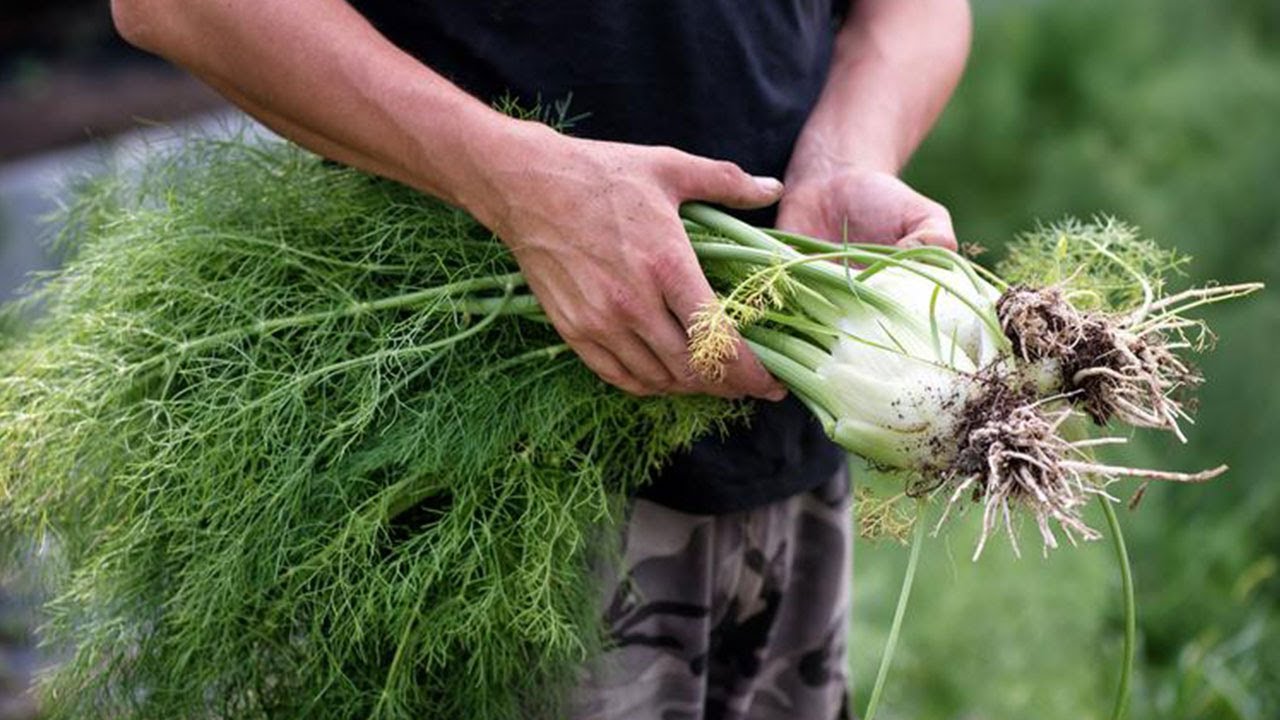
point(937, 232)
point(800, 213)
point(719, 181)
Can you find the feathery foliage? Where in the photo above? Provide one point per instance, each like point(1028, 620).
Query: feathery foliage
point(1095, 262)
point(306, 447)
point(306, 486)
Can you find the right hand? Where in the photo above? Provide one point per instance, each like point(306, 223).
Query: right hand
point(595, 228)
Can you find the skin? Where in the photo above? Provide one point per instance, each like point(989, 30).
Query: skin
point(592, 224)
point(895, 65)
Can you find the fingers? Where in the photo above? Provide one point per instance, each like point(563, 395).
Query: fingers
point(606, 365)
point(607, 341)
point(719, 181)
point(934, 230)
point(871, 206)
point(641, 361)
point(647, 351)
point(650, 359)
point(687, 292)
point(797, 217)
point(670, 344)
point(623, 303)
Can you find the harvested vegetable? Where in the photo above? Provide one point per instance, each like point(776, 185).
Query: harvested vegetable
point(919, 363)
point(302, 445)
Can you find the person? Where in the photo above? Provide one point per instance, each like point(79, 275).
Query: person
point(731, 601)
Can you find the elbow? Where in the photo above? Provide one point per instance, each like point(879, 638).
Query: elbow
point(964, 22)
point(138, 22)
point(956, 23)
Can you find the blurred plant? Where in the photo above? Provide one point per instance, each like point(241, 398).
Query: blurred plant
point(1162, 113)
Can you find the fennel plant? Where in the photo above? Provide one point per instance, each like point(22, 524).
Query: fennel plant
point(302, 444)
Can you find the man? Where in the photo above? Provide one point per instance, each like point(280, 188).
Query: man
point(732, 601)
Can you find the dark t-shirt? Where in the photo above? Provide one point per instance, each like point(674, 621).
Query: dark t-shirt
point(726, 79)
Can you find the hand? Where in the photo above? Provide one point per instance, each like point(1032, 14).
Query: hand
point(873, 206)
point(595, 228)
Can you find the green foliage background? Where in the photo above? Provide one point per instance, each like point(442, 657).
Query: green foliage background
point(1165, 113)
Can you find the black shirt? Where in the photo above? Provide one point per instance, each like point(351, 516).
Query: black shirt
point(727, 79)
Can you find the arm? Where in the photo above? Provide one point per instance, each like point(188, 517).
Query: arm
point(592, 224)
point(895, 64)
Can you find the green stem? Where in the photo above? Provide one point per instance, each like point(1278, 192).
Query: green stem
point(829, 273)
point(793, 347)
point(1130, 610)
point(546, 354)
point(263, 327)
point(815, 268)
point(734, 229)
point(377, 357)
point(816, 328)
point(797, 377)
point(758, 247)
point(917, 539)
point(851, 687)
point(897, 260)
point(517, 305)
point(839, 287)
point(284, 247)
point(807, 244)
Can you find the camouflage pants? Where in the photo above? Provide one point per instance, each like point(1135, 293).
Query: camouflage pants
point(737, 617)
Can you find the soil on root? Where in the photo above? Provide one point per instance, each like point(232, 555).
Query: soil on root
point(1105, 369)
point(1010, 455)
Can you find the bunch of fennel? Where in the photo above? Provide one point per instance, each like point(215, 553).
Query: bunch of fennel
point(298, 444)
point(920, 361)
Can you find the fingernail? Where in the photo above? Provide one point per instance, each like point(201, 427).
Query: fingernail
point(773, 186)
point(776, 395)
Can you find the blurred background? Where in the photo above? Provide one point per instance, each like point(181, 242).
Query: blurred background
point(73, 96)
point(1164, 113)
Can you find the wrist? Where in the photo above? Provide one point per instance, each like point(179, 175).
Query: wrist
point(824, 155)
point(817, 167)
point(508, 169)
point(491, 156)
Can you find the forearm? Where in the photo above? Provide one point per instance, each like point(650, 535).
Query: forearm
point(895, 65)
point(317, 72)
point(593, 225)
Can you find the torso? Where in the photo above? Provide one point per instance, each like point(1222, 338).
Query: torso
point(728, 79)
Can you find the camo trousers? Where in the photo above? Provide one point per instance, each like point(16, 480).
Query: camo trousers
point(736, 617)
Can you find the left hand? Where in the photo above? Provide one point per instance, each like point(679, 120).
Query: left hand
point(860, 205)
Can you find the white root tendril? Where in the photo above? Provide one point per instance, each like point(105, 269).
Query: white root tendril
point(1016, 458)
point(1112, 471)
point(1113, 366)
